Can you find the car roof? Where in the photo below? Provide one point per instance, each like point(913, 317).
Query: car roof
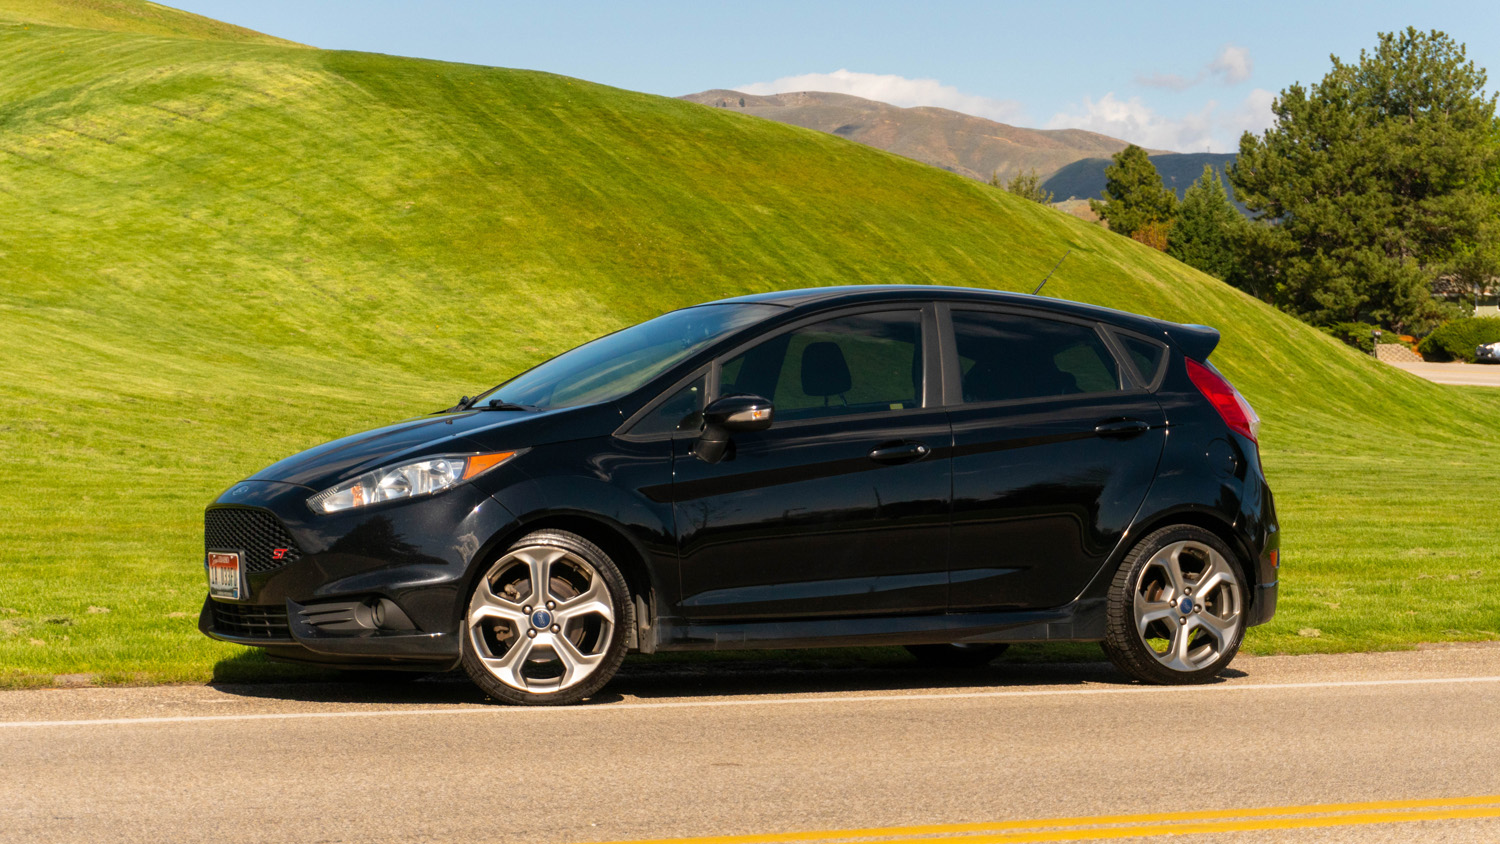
point(818, 298)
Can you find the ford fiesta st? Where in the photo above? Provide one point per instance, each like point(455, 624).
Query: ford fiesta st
point(948, 469)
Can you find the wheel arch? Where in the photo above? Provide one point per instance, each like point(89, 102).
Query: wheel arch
point(611, 537)
point(1207, 520)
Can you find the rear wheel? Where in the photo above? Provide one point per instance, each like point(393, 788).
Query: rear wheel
point(546, 622)
point(1176, 608)
point(956, 655)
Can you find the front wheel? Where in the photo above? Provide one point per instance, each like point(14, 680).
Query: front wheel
point(546, 622)
point(1176, 609)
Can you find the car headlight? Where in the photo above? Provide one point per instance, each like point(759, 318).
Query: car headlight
point(406, 480)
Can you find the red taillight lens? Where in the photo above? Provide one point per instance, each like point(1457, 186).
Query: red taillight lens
point(1237, 413)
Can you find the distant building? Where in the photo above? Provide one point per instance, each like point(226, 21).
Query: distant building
point(1485, 301)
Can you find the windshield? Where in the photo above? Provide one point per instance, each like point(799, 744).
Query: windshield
point(615, 365)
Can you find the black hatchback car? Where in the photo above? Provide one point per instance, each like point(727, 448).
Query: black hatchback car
point(942, 468)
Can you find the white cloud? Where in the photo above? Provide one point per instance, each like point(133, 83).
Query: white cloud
point(896, 90)
point(1231, 66)
point(1209, 128)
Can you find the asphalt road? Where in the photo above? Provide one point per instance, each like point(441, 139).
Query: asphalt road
point(1466, 374)
point(1404, 745)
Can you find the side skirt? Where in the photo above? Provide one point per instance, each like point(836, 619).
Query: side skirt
point(1080, 621)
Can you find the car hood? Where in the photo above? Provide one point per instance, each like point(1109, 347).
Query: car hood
point(479, 430)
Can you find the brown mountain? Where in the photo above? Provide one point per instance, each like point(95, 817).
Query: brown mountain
point(972, 146)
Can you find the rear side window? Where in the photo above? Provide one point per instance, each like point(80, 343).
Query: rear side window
point(864, 363)
point(1145, 354)
point(1005, 357)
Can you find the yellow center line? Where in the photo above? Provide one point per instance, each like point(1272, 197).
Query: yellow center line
point(1320, 821)
point(1162, 823)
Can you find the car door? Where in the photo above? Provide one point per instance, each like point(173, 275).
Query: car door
point(1056, 440)
point(841, 506)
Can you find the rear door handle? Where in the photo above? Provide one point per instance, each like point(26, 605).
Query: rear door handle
point(899, 452)
point(1121, 428)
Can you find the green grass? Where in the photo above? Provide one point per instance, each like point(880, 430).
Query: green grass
point(134, 16)
point(216, 253)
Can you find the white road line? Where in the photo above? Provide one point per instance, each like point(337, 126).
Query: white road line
point(692, 704)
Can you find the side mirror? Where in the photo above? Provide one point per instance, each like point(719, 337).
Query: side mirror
point(729, 415)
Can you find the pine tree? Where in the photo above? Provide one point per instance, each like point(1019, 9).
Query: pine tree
point(1375, 183)
point(1203, 235)
point(1134, 196)
point(1027, 185)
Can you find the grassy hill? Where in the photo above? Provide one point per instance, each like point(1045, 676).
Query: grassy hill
point(126, 16)
point(962, 143)
point(216, 253)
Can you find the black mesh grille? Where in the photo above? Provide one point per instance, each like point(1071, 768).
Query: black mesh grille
point(251, 622)
point(258, 533)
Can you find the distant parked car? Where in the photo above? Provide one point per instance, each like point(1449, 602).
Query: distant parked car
point(951, 470)
point(1488, 353)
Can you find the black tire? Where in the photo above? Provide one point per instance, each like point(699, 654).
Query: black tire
point(609, 648)
point(956, 655)
point(1142, 572)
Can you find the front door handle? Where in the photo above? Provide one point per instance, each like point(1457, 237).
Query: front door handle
point(1121, 428)
point(899, 452)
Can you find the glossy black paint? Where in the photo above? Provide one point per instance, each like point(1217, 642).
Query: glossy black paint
point(946, 522)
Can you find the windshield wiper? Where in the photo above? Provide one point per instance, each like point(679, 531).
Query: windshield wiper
point(467, 403)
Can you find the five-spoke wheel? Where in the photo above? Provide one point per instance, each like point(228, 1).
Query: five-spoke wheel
point(1176, 608)
point(546, 622)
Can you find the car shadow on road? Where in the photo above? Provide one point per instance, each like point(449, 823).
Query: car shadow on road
point(719, 675)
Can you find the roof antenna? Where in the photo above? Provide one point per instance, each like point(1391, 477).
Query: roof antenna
point(1054, 269)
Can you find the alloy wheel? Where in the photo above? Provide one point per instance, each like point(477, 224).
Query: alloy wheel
point(1187, 606)
point(541, 620)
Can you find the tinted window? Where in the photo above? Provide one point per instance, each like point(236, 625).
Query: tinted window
point(853, 364)
point(1146, 355)
point(615, 365)
point(683, 411)
point(1006, 356)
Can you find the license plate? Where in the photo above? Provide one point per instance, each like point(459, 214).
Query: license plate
point(224, 574)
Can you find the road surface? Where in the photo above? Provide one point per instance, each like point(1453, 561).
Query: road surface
point(1383, 747)
point(1466, 374)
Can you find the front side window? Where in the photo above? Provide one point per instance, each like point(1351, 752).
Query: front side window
point(1004, 357)
point(616, 365)
point(864, 363)
point(681, 411)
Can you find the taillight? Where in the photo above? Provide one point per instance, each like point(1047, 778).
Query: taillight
point(1237, 413)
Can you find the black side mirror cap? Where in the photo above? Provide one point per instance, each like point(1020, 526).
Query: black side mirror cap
point(729, 415)
point(739, 413)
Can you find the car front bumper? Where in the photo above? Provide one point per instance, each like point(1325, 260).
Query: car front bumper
point(374, 586)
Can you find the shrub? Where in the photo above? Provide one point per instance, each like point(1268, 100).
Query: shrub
point(1357, 334)
point(1456, 340)
point(1153, 234)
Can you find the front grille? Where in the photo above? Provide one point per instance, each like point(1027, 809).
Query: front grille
point(251, 622)
point(257, 533)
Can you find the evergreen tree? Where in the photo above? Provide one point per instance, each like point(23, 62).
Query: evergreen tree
point(1377, 182)
point(1203, 235)
point(1134, 196)
point(1027, 185)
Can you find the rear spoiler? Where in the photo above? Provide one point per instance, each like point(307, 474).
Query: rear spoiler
point(1195, 341)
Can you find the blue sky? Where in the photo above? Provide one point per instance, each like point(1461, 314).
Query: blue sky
point(1182, 76)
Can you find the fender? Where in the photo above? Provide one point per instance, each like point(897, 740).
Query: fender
point(605, 483)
